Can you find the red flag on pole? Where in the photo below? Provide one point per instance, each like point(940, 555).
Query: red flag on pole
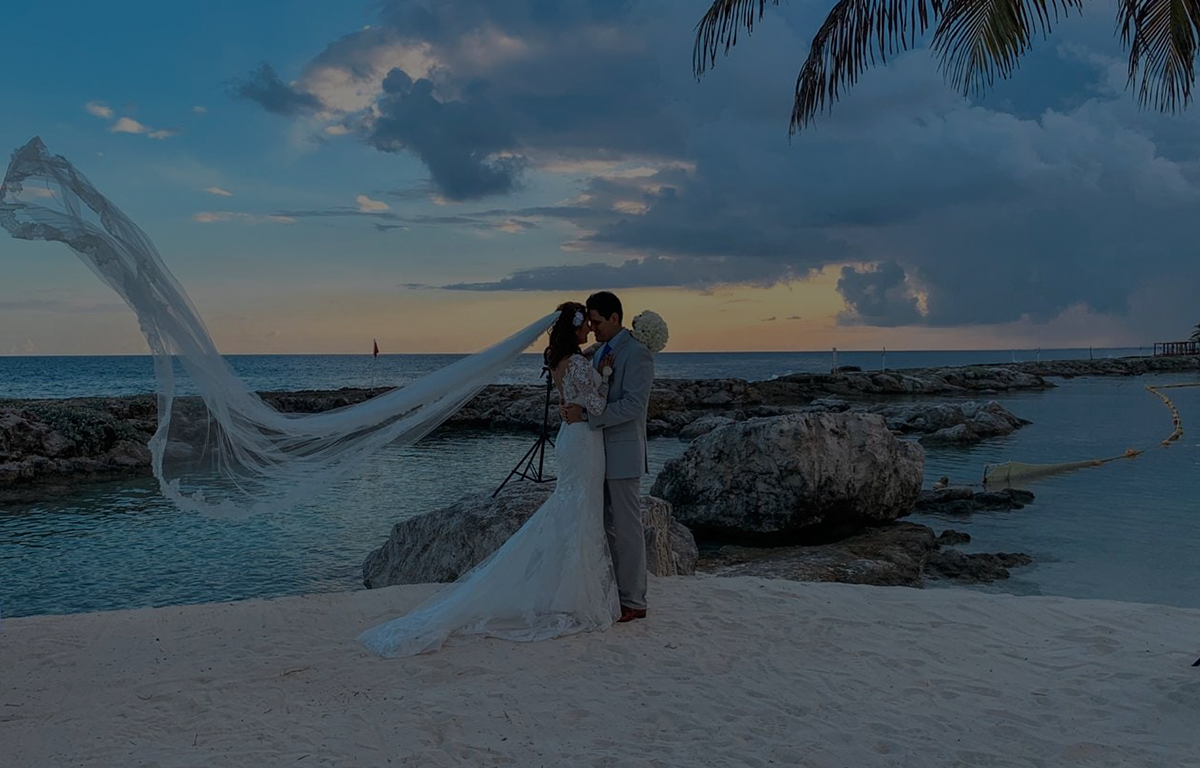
point(376, 353)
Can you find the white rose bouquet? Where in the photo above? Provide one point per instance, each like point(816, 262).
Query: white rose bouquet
point(651, 330)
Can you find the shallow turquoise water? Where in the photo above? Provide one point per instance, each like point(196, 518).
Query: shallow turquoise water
point(121, 545)
point(1129, 530)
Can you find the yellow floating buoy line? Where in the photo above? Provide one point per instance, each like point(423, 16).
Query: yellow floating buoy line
point(1178, 432)
point(1015, 472)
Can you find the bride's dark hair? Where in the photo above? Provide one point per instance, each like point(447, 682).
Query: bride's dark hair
point(563, 339)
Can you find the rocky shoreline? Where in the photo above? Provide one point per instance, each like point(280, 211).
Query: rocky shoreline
point(48, 443)
point(802, 477)
point(804, 497)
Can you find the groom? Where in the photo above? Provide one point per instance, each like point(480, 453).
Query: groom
point(624, 425)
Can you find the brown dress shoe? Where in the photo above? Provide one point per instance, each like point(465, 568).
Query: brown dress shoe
point(629, 614)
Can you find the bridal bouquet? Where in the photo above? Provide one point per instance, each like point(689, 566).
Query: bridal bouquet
point(651, 330)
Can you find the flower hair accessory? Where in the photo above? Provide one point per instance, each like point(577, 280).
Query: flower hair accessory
point(651, 330)
point(578, 318)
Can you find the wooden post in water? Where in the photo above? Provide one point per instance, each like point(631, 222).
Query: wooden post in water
point(833, 365)
point(883, 360)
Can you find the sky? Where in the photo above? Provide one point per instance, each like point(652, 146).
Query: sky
point(438, 174)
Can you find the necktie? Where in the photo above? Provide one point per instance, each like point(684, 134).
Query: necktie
point(603, 353)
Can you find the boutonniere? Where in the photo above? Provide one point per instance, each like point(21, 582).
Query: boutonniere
point(606, 372)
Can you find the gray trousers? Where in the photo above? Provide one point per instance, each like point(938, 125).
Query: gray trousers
point(626, 539)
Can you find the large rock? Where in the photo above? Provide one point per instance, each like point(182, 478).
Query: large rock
point(704, 425)
point(889, 556)
point(962, 500)
point(797, 478)
point(893, 555)
point(51, 440)
point(954, 423)
point(441, 545)
point(978, 568)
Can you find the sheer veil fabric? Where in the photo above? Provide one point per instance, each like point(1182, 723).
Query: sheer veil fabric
point(258, 458)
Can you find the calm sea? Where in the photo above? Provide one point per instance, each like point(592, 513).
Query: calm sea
point(1129, 530)
point(28, 377)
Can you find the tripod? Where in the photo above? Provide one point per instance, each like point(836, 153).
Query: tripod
point(525, 468)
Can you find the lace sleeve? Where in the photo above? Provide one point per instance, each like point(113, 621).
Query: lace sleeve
point(582, 385)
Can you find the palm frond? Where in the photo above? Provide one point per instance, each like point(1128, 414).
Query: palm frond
point(977, 41)
point(717, 32)
point(856, 34)
point(1162, 37)
point(980, 40)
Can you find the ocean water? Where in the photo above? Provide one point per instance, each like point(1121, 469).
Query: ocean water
point(80, 376)
point(1129, 530)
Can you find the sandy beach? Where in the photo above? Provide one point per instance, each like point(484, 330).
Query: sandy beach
point(737, 671)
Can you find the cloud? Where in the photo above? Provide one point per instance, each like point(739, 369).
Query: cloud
point(218, 192)
point(367, 205)
point(470, 88)
point(515, 226)
point(944, 212)
point(128, 125)
point(99, 110)
point(200, 110)
point(264, 87)
point(58, 306)
point(336, 130)
point(463, 143)
point(699, 273)
point(878, 295)
point(213, 217)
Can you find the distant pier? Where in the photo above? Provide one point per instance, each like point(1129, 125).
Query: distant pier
point(1162, 348)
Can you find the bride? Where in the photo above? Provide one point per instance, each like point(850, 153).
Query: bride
point(554, 576)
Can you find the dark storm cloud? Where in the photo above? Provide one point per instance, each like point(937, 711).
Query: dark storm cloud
point(699, 273)
point(263, 87)
point(1051, 194)
point(879, 296)
point(456, 139)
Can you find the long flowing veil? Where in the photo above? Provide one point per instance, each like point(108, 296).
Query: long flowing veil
point(252, 456)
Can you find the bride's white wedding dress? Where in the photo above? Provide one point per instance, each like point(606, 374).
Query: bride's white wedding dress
point(553, 577)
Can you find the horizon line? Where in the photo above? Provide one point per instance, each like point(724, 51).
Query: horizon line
point(840, 351)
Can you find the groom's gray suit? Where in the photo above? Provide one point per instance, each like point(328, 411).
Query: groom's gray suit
point(624, 425)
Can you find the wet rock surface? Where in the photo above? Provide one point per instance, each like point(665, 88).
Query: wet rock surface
point(443, 544)
point(795, 477)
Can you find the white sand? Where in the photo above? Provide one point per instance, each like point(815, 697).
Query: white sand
point(725, 672)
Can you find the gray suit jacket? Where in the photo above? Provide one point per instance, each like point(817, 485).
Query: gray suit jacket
point(624, 418)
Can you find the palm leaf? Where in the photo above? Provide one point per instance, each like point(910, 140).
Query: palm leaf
point(856, 34)
point(717, 32)
point(976, 41)
point(980, 40)
point(1162, 37)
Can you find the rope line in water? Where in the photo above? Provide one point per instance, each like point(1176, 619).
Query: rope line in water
point(1013, 471)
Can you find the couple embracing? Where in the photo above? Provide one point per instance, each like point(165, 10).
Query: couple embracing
point(579, 563)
